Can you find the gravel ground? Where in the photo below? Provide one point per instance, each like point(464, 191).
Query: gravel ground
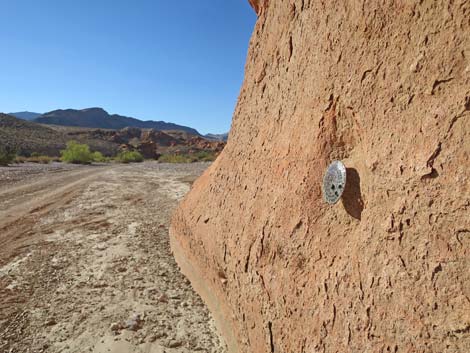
point(87, 267)
point(17, 173)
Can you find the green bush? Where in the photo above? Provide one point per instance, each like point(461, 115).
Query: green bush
point(98, 157)
point(77, 153)
point(205, 156)
point(129, 157)
point(7, 155)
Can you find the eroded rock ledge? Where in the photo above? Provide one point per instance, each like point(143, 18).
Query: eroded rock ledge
point(385, 87)
point(258, 5)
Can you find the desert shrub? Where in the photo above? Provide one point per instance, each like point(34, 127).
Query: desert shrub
point(77, 153)
point(201, 156)
point(129, 157)
point(205, 156)
point(44, 159)
point(20, 159)
point(98, 157)
point(35, 154)
point(174, 158)
point(7, 155)
point(39, 159)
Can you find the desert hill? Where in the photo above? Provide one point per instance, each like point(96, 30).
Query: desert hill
point(99, 118)
point(28, 137)
point(25, 115)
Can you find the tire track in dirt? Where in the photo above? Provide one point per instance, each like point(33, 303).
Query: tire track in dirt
point(98, 274)
point(24, 205)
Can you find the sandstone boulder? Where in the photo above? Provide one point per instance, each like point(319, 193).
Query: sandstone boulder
point(385, 87)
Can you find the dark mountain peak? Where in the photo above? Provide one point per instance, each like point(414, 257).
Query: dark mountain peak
point(24, 112)
point(57, 111)
point(95, 110)
point(97, 117)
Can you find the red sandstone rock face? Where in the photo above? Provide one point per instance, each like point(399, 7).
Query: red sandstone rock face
point(385, 87)
point(258, 5)
point(204, 144)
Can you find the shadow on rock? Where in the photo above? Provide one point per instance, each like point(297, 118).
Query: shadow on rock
point(352, 199)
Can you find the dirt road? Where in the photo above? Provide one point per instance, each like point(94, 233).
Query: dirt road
point(85, 263)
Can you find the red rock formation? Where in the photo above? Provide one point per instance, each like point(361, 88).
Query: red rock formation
point(148, 149)
point(385, 87)
point(158, 137)
point(258, 5)
point(205, 144)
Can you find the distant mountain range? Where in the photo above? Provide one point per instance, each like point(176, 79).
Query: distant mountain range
point(217, 137)
point(25, 115)
point(99, 118)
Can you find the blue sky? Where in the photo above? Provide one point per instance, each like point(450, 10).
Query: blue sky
point(179, 61)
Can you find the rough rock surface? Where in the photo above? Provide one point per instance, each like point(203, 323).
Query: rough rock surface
point(258, 5)
point(385, 87)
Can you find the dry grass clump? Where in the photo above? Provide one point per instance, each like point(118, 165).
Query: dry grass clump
point(201, 156)
point(36, 159)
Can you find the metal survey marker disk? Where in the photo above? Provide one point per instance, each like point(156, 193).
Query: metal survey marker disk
point(334, 182)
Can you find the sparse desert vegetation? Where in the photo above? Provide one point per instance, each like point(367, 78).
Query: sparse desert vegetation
point(35, 159)
point(77, 153)
point(174, 158)
point(37, 143)
point(201, 156)
point(129, 157)
point(99, 158)
point(7, 155)
point(81, 153)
